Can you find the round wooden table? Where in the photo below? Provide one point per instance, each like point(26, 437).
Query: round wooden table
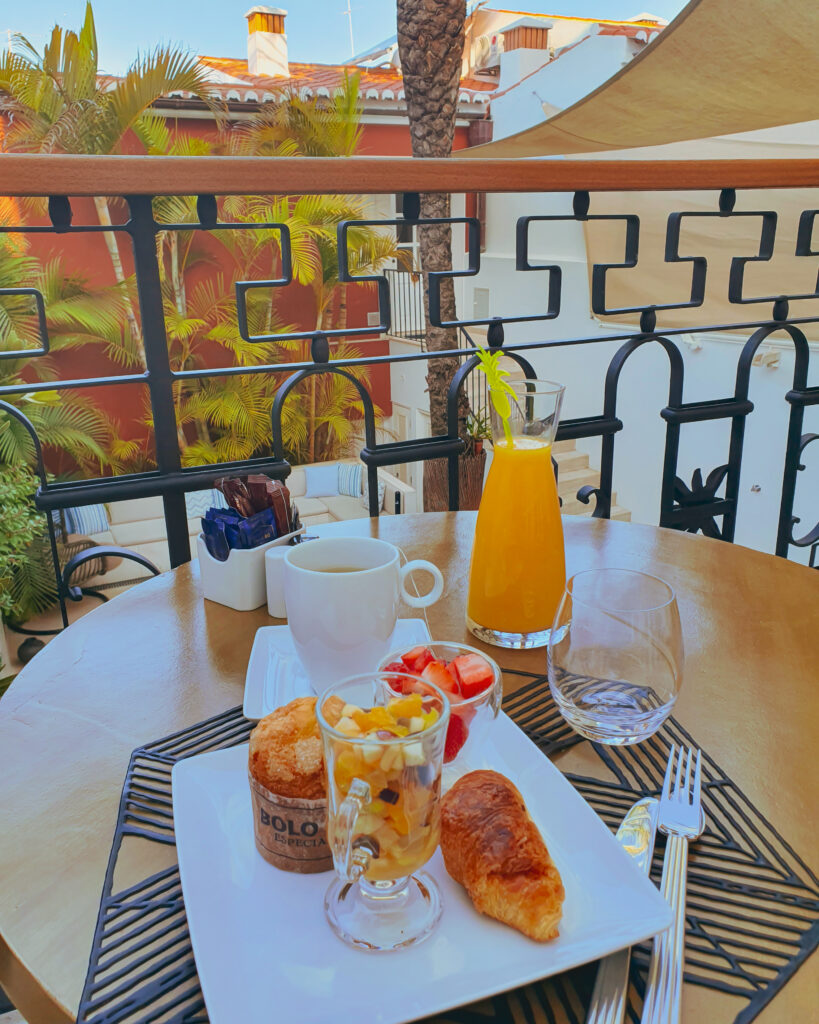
point(159, 658)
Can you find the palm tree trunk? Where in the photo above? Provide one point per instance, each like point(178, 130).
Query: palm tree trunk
point(181, 303)
point(430, 45)
point(177, 278)
point(104, 216)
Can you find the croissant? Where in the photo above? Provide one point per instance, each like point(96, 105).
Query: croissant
point(493, 849)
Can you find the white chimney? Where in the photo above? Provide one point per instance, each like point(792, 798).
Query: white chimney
point(266, 42)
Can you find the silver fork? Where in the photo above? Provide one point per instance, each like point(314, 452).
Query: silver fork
point(682, 820)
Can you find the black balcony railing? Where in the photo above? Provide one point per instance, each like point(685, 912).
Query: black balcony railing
point(408, 322)
point(710, 507)
point(407, 305)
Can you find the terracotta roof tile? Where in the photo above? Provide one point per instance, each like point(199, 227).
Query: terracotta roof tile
point(643, 33)
point(376, 83)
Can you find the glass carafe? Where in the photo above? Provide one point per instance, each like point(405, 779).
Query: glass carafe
point(518, 568)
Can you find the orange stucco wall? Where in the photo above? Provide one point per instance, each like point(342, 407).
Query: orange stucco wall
point(86, 254)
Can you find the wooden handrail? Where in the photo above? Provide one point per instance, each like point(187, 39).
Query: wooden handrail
point(53, 174)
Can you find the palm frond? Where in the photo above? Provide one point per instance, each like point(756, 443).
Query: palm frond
point(165, 70)
point(153, 132)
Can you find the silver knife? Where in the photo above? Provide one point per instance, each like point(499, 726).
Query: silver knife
point(636, 836)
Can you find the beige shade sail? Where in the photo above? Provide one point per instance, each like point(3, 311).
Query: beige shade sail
point(719, 239)
point(721, 67)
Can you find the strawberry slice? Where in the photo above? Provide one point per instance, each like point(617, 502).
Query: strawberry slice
point(417, 659)
point(474, 674)
point(466, 712)
point(396, 682)
point(456, 735)
point(439, 675)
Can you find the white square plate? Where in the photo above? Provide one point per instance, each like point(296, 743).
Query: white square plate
point(265, 953)
point(275, 675)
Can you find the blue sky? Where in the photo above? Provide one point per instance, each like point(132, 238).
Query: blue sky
point(317, 30)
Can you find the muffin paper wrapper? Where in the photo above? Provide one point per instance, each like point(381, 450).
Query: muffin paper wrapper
point(291, 832)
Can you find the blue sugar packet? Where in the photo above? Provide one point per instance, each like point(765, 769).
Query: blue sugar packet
point(253, 531)
point(214, 531)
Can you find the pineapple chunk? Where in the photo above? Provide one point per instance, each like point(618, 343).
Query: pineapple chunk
point(414, 754)
point(391, 759)
point(371, 752)
point(347, 726)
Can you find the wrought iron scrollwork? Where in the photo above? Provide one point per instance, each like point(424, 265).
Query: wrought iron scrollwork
point(602, 501)
point(698, 504)
point(811, 538)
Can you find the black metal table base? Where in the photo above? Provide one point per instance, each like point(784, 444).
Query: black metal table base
point(752, 911)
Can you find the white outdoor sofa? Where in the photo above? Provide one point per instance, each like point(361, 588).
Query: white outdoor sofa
point(139, 524)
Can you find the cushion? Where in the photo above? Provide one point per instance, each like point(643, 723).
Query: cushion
point(295, 482)
point(134, 510)
point(86, 519)
point(349, 478)
point(382, 490)
point(198, 502)
point(322, 480)
point(344, 507)
point(145, 531)
point(310, 506)
point(324, 517)
point(127, 535)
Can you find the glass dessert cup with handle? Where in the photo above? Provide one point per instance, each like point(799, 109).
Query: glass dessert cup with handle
point(518, 568)
point(615, 656)
point(383, 754)
point(473, 683)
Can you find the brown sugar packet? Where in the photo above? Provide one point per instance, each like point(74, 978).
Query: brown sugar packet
point(259, 487)
point(280, 497)
point(273, 494)
point(236, 494)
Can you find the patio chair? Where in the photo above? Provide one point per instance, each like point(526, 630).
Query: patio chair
point(76, 559)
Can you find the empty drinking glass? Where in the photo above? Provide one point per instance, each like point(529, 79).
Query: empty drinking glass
point(616, 654)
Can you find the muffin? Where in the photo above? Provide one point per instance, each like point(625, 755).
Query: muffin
point(286, 754)
point(288, 788)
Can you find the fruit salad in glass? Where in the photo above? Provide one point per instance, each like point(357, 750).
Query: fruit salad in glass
point(384, 754)
point(471, 680)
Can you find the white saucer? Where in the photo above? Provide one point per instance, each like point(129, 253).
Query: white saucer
point(275, 675)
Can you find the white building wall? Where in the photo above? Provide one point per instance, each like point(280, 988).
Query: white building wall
point(710, 372)
point(710, 360)
point(559, 84)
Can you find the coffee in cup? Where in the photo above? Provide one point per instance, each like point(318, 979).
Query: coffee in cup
point(343, 596)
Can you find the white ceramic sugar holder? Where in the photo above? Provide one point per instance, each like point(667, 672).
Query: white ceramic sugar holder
point(238, 582)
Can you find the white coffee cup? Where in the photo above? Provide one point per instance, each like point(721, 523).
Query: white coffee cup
point(342, 622)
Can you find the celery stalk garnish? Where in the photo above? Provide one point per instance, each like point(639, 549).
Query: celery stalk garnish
point(499, 390)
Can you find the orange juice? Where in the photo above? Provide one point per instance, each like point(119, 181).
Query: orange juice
point(518, 566)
